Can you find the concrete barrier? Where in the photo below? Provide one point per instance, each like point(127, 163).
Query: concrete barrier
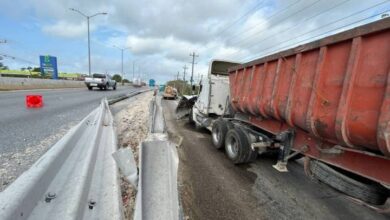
point(10, 83)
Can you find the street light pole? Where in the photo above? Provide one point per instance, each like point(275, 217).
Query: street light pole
point(122, 49)
point(122, 66)
point(133, 70)
point(89, 49)
point(89, 43)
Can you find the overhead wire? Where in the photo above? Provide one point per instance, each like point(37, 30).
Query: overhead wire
point(267, 19)
point(240, 33)
point(291, 15)
point(249, 12)
point(313, 37)
point(298, 24)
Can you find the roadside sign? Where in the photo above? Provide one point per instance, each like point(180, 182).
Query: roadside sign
point(48, 65)
point(152, 82)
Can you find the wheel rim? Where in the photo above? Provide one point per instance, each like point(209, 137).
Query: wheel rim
point(216, 135)
point(232, 147)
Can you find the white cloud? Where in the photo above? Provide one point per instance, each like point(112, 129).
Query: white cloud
point(162, 33)
point(65, 29)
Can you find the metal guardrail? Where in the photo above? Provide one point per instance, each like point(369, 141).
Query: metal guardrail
point(156, 116)
point(156, 178)
point(76, 179)
point(115, 99)
point(157, 196)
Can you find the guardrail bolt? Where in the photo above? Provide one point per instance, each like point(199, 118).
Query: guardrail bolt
point(50, 196)
point(91, 204)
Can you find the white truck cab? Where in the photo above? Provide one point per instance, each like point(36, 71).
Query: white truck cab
point(213, 98)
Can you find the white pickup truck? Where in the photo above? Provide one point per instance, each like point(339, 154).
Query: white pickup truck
point(102, 81)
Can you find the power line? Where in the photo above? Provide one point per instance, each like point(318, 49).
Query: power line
point(298, 24)
point(240, 33)
point(310, 38)
point(265, 21)
point(302, 9)
point(17, 58)
point(251, 11)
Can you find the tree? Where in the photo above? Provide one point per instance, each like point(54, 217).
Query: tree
point(117, 78)
point(36, 69)
point(126, 81)
point(23, 68)
point(2, 67)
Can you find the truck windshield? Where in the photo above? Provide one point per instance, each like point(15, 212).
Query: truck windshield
point(99, 76)
point(221, 67)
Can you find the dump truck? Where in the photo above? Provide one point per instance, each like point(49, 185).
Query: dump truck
point(327, 101)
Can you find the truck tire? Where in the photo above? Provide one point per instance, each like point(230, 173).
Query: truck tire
point(238, 148)
point(105, 87)
point(114, 87)
point(89, 87)
point(218, 133)
point(371, 192)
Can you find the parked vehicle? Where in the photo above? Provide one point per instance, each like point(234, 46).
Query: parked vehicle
point(102, 81)
point(137, 82)
point(326, 100)
point(170, 93)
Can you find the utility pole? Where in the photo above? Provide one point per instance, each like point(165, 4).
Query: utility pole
point(184, 72)
point(193, 55)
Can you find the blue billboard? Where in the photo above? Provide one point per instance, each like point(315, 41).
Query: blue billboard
point(48, 65)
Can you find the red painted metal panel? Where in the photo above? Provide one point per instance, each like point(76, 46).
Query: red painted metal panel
point(335, 91)
point(368, 90)
point(268, 86)
point(248, 74)
point(253, 94)
point(281, 92)
point(262, 73)
point(329, 84)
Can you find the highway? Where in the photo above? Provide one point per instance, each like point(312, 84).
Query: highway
point(26, 134)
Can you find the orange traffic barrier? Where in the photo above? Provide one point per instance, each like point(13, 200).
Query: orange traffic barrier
point(34, 101)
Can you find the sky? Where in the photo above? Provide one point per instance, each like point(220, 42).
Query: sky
point(161, 34)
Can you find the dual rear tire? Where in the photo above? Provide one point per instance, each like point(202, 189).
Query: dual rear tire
point(237, 146)
point(235, 140)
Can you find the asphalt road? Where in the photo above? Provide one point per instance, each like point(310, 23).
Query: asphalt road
point(25, 134)
point(211, 187)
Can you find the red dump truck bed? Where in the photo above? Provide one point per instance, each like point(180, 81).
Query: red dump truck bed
point(335, 94)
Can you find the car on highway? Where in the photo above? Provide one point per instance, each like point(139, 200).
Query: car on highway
point(102, 81)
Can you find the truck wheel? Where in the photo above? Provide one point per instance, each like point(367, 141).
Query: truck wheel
point(114, 87)
point(237, 147)
point(101, 87)
point(369, 192)
point(89, 87)
point(105, 87)
point(218, 133)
